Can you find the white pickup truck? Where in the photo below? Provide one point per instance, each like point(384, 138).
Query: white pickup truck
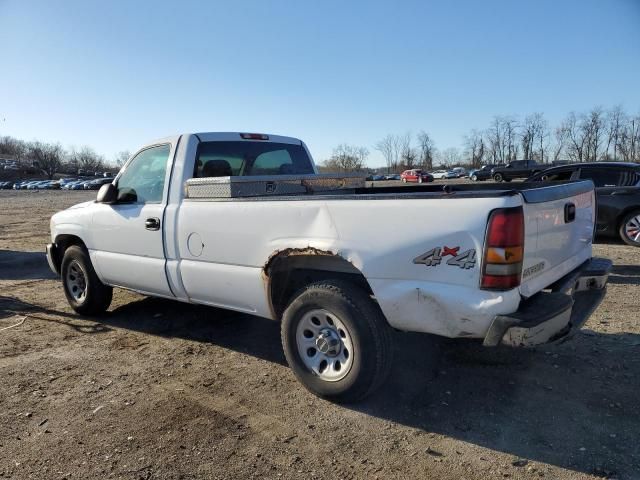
point(244, 222)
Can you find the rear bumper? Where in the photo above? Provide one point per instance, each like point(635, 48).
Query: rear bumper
point(52, 258)
point(556, 314)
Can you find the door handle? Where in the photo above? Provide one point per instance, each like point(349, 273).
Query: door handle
point(569, 213)
point(152, 223)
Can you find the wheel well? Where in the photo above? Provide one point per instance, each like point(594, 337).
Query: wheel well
point(290, 270)
point(624, 213)
point(63, 242)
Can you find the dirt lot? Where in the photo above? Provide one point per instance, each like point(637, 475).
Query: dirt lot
point(157, 389)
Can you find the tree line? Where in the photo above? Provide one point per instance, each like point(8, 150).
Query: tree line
point(597, 135)
point(52, 158)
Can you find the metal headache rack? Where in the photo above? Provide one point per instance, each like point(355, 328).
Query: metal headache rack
point(271, 185)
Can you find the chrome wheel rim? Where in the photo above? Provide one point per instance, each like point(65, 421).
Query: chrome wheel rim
point(76, 281)
point(632, 228)
point(324, 345)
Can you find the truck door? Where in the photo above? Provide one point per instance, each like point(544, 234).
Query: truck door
point(128, 245)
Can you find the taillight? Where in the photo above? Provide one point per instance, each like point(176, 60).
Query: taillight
point(503, 249)
point(254, 136)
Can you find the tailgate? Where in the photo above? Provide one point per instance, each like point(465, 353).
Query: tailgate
point(559, 222)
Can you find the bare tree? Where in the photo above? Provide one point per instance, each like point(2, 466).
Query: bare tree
point(576, 139)
point(615, 124)
point(450, 157)
point(630, 140)
point(592, 127)
point(475, 148)
point(86, 158)
point(561, 137)
point(47, 157)
point(501, 138)
point(510, 128)
point(386, 148)
point(426, 150)
point(346, 158)
point(408, 155)
point(121, 158)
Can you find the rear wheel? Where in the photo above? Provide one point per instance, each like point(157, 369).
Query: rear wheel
point(337, 341)
point(630, 229)
point(419, 179)
point(498, 177)
point(85, 292)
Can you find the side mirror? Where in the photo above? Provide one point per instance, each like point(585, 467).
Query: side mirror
point(108, 194)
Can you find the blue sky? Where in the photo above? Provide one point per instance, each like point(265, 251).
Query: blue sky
point(116, 74)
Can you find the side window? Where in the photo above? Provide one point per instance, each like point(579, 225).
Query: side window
point(143, 179)
point(273, 163)
point(602, 177)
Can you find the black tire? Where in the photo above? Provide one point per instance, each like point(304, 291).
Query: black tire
point(97, 297)
point(498, 177)
point(404, 180)
point(630, 217)
point(474, 178)
point(419, 179)
point(367, 328)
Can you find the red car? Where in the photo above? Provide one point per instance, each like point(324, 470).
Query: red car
point(416, 176)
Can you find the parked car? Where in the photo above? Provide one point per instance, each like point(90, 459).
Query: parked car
point(416, 175)
point(500, 264)
point(6, 185)
point(617, 193)
point(96, 184)
point(393, 176)
point(440, 174)
point(79, 185)
point(34, 185)
point(516, 169)
point(459, 172)
point(482, 173)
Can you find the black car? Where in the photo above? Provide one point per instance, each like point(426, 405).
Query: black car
point(516, 169)
point(483, 173)
point(617, 193)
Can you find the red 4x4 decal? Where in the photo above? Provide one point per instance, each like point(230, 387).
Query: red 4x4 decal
point(450, 251)
point(433, 257)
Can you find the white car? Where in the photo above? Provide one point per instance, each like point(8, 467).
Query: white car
point(243, 222)
point(439, 174)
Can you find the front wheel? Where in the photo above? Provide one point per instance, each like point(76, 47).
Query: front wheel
point(630, 229)
point(337, 341)
point(419, 179)
point(404, 180)
point(474, 178)
point(498, 177)
point(85, 292)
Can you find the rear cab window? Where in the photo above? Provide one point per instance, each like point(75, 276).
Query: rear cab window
point(249, 158)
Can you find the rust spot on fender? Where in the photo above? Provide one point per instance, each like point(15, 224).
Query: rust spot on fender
point(291, 252)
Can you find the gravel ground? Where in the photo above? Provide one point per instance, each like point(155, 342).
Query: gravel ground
point(157, 389)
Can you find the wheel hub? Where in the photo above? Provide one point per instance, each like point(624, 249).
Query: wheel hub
point(328, 342)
